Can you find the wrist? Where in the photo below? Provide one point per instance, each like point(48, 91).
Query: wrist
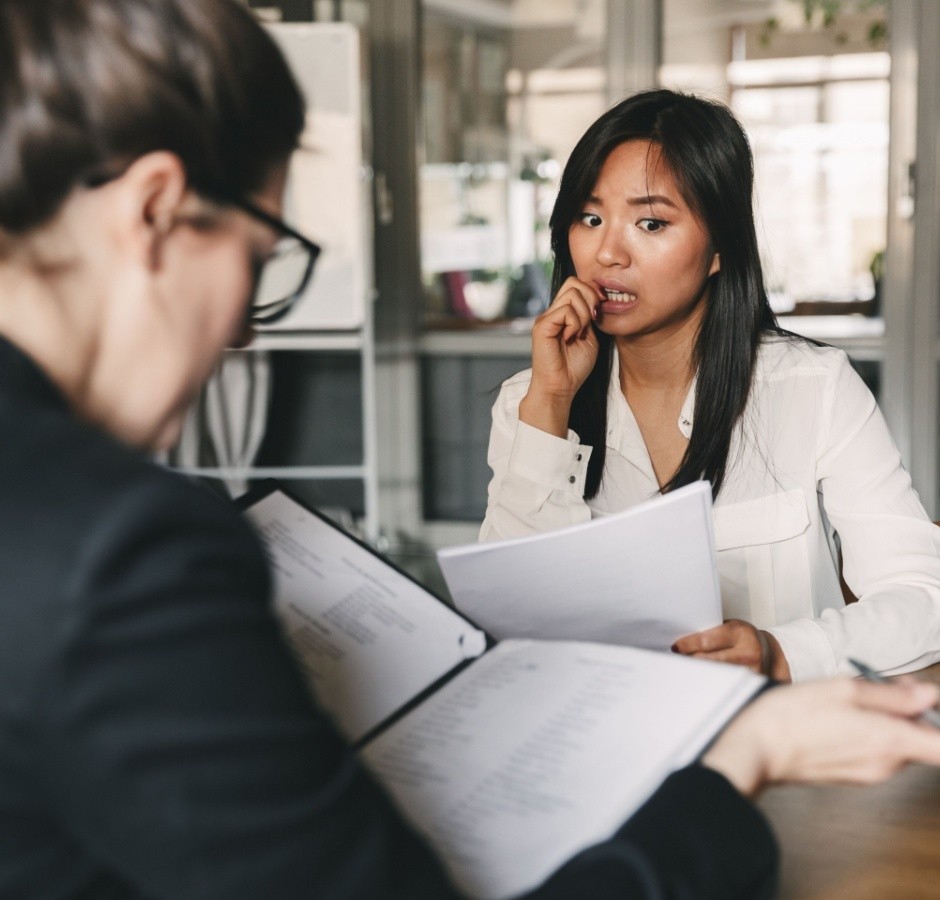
point(775, 663)
point(737, 757)
point(547, 412)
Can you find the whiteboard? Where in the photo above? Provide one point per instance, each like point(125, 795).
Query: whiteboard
point(326, 197)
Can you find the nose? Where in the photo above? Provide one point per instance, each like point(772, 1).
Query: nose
point(612, 249)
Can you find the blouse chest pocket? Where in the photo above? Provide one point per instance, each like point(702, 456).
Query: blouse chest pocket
point(763, 560)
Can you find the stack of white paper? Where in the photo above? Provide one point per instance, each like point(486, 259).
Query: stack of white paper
point(643, 577)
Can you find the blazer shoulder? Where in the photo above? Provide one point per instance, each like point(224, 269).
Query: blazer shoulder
point(87, 507)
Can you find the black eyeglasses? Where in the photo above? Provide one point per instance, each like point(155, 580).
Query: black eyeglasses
point(285, 274)
point(283, 277)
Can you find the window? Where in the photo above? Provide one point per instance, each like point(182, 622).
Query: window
point(815, 103)
point(819, 131)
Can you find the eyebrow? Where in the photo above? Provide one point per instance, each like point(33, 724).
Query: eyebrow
point(650, 200)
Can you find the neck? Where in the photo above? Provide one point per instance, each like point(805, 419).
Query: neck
point(52, 325)
point(661, 361)
point(41, 321)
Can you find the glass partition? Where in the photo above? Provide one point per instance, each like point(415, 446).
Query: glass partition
point(812, 91)
point(507, 90)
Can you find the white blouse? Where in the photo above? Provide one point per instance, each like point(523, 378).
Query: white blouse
point(811, 466)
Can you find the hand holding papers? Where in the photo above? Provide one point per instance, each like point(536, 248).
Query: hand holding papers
point(511, 759)
point(643, 577)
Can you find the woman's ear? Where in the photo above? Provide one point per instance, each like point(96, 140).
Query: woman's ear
point(147, 199)
point(715, 266)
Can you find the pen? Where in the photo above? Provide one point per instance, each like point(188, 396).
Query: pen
point(930, 716)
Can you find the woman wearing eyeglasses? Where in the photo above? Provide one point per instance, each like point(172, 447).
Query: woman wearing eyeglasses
point(156, 739)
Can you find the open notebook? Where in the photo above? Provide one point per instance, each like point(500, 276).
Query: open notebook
point(509, 757)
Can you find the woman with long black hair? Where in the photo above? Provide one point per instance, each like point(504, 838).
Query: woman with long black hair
point(660, 362)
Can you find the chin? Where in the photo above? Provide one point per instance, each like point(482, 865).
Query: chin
point(619, 326)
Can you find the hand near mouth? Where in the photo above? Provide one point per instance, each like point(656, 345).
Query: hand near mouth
point(564, 350)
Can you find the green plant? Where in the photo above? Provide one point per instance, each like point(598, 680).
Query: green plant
point(826, 14)
point(488, 276)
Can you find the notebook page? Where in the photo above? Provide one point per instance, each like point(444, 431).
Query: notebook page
point(540, 749)
point(368, 637)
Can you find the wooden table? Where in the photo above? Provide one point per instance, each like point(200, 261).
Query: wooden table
point(860, 843)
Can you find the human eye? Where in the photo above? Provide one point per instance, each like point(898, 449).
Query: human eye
point(651, 225)
point(592, 220)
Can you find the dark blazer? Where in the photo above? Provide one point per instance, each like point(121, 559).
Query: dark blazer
point(157, 741)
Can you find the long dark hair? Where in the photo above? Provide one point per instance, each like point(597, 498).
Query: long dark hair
point(705, 149)
point(91, 84)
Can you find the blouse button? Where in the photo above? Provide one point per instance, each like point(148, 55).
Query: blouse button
point(571, 479)
point(578, 457)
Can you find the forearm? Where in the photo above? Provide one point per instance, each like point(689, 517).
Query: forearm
point(893, 630)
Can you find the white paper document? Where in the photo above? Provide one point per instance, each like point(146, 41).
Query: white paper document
point(541, 749)
point(643, 577)
point(368, 637)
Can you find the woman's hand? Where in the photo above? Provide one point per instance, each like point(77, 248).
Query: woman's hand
point(739, 642)
point(837, 730)
point(564, 350)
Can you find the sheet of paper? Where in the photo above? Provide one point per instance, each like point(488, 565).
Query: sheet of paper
point(369, 638)
point(643, 577)
point(541, 749)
